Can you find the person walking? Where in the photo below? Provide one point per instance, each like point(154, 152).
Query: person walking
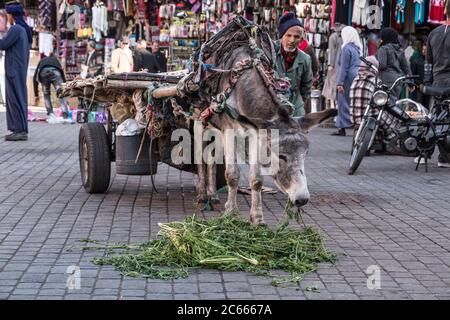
point(143, 60)
point(293, 63)
point(122, 57)
point(437, 68)
point(392, 60)
point(50, 72)
point(348, 68)
point(16, 44)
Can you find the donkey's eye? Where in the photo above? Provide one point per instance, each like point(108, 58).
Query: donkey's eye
point(283, 158)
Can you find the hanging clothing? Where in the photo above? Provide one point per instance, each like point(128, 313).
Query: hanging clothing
point(45, 12)
point(334, 50)
point(409, 26)
point(360, 12)
point(121, 26)
point(45, 43)
point(437, 11)
point(387, 12)
point(341, 11)
point(99, 21)
point(139, 31)
point(400, 11)
point(419, 11)
point(17, 53)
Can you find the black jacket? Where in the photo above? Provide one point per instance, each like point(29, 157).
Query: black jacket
point(161, 60)
point(417, 67)
point(143, 59)
point(95, 64)
point(438, 53)
point(46, 62)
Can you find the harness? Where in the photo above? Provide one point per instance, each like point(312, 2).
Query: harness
point(277, 87)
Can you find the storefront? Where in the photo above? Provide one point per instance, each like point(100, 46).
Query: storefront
point(65, 26)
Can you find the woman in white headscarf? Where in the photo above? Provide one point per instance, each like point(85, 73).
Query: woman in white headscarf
point(349, 65)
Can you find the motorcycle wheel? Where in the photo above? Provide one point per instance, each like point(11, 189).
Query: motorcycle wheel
point(361, 146)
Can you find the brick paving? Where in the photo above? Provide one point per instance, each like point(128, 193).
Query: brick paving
point(387, 215)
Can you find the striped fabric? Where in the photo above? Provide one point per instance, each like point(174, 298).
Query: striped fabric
point(45, 12)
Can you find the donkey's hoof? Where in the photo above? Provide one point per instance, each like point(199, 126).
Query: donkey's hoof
point(215, 200)
point(258, 222)
point(202, 199)
point(234, 211)
point(215, 203)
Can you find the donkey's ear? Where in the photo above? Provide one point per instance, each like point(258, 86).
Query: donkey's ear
point(310, 120)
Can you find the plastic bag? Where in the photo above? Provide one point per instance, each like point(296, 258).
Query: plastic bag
point(129, 127)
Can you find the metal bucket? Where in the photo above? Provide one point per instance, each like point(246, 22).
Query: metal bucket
point(316, 96)
point(127, 148)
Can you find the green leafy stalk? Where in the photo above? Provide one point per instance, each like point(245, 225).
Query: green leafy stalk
point(226, 243)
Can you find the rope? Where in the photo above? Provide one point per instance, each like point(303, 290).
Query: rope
point(151, 172)
point(208, 205)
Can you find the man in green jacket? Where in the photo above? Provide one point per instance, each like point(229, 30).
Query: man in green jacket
point(293, 63)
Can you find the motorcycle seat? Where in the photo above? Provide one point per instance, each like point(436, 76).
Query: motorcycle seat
point(437, 91)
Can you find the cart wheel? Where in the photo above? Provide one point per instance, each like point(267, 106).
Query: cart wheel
point(95, 162)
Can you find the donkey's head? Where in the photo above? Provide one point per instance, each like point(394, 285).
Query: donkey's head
point(292, 149)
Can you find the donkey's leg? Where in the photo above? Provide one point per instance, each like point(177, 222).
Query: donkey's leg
point(201, 184)
point(211, 184)
point(256, 183)
point(232, 177)
point(231, 174)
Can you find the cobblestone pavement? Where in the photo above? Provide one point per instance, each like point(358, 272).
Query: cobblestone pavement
point(387, 215)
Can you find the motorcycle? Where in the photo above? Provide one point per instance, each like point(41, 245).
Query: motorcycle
point(417, 130)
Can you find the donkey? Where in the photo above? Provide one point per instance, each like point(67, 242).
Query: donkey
point(256, 107)
point(258, 110)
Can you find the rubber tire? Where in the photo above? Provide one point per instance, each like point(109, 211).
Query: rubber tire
point(361, 151)
point(93, 135)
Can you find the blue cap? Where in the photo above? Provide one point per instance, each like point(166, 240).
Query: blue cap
point(287, 21)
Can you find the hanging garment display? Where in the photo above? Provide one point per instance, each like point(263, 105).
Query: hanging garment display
point(45, 13)
point(437, 11)
point(341, 13)
point(152, 10)
point(45, 43)
point(121, 26)
point(400, 11)
point(116, 5)
point(99, 20)
point(419, 11)
point(360, 12)
point(409, 27)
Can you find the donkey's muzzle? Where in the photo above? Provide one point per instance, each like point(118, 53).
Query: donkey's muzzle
point(301, 202)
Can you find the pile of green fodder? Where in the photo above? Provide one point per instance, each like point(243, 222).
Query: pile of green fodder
point(226, 243)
